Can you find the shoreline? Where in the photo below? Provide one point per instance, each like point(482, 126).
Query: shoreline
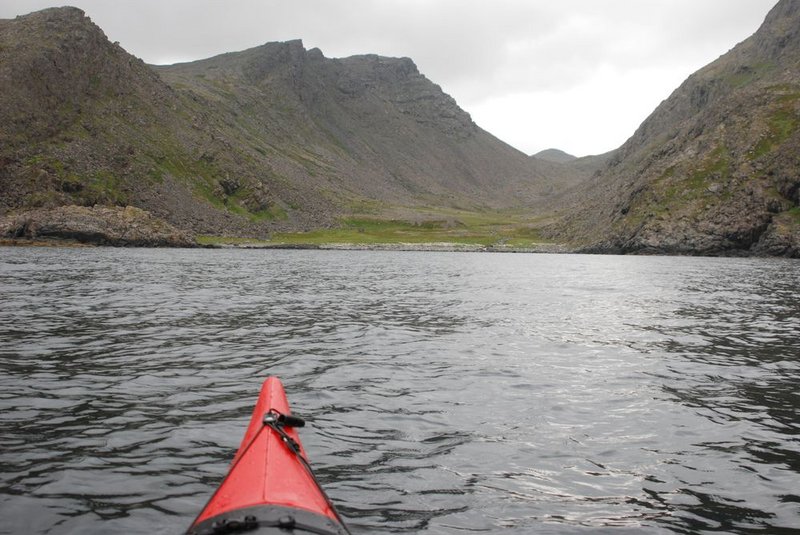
point(431, 247)
point(436, 247)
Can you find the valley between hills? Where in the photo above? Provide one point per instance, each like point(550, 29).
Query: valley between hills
point(280, 146)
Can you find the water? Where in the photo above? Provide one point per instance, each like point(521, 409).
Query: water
point(446, 393)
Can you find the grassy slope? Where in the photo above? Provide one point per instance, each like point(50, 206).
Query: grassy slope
point(420, 226)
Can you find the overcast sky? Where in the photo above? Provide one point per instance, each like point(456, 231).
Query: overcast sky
point(579, 75)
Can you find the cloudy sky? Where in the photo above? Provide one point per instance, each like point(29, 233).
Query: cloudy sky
point(579, 75)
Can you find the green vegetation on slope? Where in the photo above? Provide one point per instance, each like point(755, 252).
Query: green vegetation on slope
point(782, 123)
point(417, 227)
point(690, 188)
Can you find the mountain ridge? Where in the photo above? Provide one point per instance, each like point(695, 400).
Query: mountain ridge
point(271, 138)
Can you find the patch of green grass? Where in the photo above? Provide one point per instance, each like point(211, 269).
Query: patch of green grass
point(749, 73)
point(272, 213)
point(716, 166)
point(101, 187)
point(672, 188)
point(387, 235)
point(155, 175)
point(237, 203)
point(204, 176)
point(104, 188)
point(206, 188)
point(781, 125)
point(524, 237)
point(372, 231)
point(366, 206)
point(682, 189)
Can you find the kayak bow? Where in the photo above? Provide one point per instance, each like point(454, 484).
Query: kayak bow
point(270, 487)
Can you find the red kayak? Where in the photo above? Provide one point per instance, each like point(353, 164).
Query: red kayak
point(270, 487)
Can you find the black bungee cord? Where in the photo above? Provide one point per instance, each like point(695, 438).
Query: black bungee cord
point(276, 421)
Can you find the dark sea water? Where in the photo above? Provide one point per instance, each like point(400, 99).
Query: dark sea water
point(445, 393)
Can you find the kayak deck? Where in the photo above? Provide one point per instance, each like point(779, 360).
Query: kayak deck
point(268, 519)
point(270, 487)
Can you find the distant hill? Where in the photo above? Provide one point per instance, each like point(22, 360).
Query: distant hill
point(715, 169)
point(275, 137)
point(555, 156)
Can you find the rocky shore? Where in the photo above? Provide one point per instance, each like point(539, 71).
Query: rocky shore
point(97, 225)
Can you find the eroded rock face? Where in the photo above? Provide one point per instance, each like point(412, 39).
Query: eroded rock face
point(123, 227)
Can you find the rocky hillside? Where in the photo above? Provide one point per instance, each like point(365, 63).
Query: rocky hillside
point(276, 137)
point(716, 168)
point(359, 128)
point(82, 122)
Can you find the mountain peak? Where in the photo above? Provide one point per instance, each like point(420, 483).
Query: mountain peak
point(785, 9)
point(555, 156)
point(780, 32)
point(55, 62)
point(64, 12)
point(51, 24)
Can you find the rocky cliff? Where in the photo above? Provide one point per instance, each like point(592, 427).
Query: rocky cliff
point(716, 168)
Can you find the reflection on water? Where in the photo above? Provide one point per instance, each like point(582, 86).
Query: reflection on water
point(446, 393)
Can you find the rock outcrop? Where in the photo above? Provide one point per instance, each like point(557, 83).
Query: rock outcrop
point(121, 227)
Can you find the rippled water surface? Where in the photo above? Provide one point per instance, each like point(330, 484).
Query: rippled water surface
point(446, 393)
